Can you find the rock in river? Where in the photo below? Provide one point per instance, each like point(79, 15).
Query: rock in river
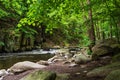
point(23, 66)
point(3, 72)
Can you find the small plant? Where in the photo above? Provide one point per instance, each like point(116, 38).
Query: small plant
point(2, 43)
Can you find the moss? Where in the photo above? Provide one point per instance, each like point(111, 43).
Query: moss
point(103, 71)
point(114, 75)
point(40, 75)
point(101, 51)
point(116, 58)
point(62, 77)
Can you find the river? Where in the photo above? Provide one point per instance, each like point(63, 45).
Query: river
point(8, 59)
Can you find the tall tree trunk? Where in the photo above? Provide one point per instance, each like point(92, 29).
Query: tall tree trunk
point(22, 41)
point(91, 31)
point(103, 35)
point(43, 38)
point(111, 33)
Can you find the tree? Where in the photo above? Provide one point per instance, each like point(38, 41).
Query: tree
point(91, 31)
point(81, 21)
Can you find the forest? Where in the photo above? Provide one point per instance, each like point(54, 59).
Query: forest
point(30, 23)
point(27, 25)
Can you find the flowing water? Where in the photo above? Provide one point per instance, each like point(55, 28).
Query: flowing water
point(8, 59)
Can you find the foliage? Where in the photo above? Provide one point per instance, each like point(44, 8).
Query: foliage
point(69, 16)
point(2, 43)
point(3, 13)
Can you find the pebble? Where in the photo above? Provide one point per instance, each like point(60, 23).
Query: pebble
point(72, 65)
point(78, 73)
point(85, 71)
point(83, 66)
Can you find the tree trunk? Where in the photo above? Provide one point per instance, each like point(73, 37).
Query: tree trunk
point(91, 31)
point(43, 38)
point(111, 33)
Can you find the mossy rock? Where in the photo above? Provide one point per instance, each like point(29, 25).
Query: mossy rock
point(104, 71)
point(64, 76)
point(105, 47)
point(80, 58)
point(116, 48)
point(101, 51)
point(40, 75)
point(116, 58)
point(114, 75)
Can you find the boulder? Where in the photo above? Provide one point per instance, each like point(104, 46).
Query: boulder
point(42, 62)
point(52, 59)
point(3, 72)
point(56, 58)
point(69, 55)
point(105, 47)
point(64, 76)
point(40, 75)
point(114, 75)
point(116, 58)
point(100, 51)
point(23, 66)
point(104, 71)
point(80, 58)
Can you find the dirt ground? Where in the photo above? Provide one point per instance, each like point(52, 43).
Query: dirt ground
point(76, 73)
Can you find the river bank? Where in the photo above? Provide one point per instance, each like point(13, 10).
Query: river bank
point(75, 73)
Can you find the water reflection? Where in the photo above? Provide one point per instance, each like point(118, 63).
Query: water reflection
point(7, 61)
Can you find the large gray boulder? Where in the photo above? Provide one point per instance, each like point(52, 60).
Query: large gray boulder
point(104, 71)
point(23, 66)
point(105, 47)
point(114, 75)
point(40, 75)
